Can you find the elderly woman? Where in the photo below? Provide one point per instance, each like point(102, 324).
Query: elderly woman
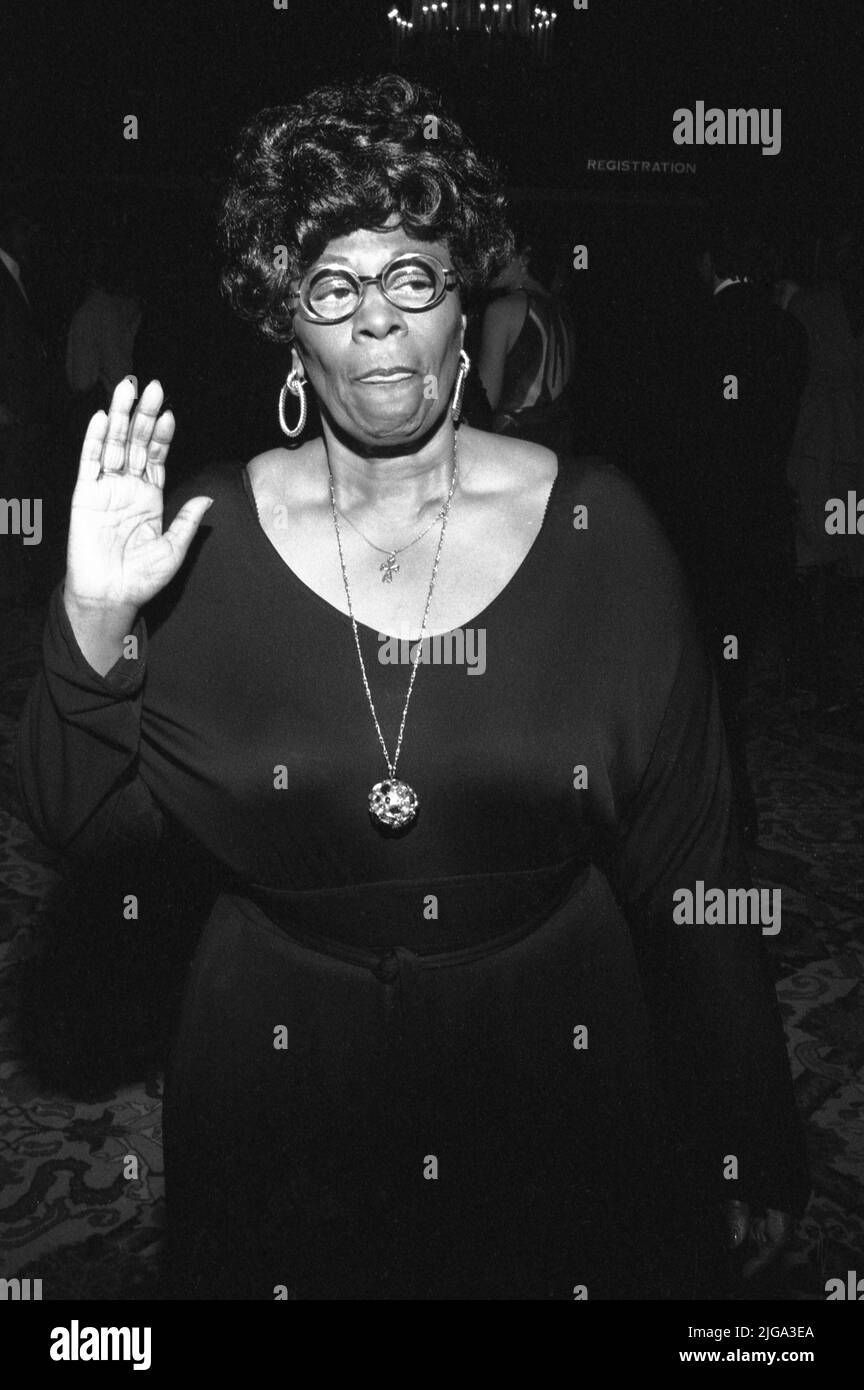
point(443, 1036)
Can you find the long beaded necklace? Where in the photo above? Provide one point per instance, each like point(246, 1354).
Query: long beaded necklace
point(392, 802)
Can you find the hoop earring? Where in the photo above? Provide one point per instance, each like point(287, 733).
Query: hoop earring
point(464, 369)
point(296, 385)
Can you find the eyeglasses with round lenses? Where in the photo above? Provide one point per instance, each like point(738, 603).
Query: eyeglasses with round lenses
point(412, 282)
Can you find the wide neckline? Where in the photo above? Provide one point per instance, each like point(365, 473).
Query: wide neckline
point(251, 510)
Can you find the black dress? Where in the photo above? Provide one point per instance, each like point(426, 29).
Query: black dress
point(476, 1059)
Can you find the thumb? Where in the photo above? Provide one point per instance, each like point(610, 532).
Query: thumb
point(182, 529)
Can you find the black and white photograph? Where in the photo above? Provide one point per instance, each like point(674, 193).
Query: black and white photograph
point(432, 667)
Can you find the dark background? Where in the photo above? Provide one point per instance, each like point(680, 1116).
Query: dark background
point(193, 72)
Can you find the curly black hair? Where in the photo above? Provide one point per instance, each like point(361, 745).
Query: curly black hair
point(348, 157)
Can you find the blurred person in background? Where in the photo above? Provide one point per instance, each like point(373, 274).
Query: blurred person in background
point(101, 339)
point(735, 523)
point(827, 455)
point(29, 402)
point(527, 356)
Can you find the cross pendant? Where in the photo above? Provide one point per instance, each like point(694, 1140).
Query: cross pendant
point(390, 567)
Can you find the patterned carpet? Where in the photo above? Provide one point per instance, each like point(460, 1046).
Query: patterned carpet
point(85, 1010)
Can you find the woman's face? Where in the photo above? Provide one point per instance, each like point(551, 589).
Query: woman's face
point(338, 358)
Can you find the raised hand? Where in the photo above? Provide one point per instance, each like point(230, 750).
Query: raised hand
point(118, 556)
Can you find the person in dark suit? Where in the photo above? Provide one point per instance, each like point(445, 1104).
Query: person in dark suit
point(27, 392)
point(736, 524)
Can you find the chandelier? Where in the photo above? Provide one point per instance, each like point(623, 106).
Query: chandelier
point(449, 20)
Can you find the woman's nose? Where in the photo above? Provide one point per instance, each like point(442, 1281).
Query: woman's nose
point(376, 315)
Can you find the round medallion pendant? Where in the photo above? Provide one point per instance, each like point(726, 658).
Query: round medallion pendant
point(393, 803)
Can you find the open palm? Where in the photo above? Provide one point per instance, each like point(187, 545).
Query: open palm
point(118, 555)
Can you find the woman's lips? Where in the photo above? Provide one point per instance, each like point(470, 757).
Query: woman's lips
point(392, 374)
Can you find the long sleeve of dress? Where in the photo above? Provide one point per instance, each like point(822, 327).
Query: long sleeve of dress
point(661, 791)
point(78, 742)
point(712, 1003)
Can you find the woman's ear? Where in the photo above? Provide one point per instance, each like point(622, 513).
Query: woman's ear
point(297, 364)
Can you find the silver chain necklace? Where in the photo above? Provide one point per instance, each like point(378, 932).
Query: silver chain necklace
point(389, 566)
point(392, 802)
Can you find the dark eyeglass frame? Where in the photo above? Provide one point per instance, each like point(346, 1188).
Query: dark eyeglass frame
point(300, 297)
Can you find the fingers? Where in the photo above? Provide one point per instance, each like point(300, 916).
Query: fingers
point(143, 425)
point(122, 401)
point(182, 529)
point(157, 449)
point(135, 443)
point(91, 451)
